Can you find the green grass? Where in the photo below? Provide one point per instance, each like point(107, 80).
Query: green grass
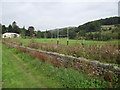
point(20, 70)
point(63, 41)
point(13, 75)
point(16, 73)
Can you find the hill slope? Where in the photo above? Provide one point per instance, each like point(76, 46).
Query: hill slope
point(103, 29)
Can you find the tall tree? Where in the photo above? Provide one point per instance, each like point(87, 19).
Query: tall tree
point(39, 34)
point(10, 29)
point(31, 30)
point(4, 29)
point(14, 24)
point(15, 28)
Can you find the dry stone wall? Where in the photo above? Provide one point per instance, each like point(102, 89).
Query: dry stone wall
point(82, 64)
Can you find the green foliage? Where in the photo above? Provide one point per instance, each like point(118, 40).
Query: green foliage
point(22, 32)
point(72, 34)
point(110, 21)
point(10, 28)
point(73, 79)
point(39, 34)
point(16, 29)
point(4, 29)
point(90, 26)
point(31, 31)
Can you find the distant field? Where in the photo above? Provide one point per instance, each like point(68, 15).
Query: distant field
point(107, 26)
point(63, 41)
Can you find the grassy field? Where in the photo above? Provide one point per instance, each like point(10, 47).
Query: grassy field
point(107, 26)
point(20, 70)
point(63, 41)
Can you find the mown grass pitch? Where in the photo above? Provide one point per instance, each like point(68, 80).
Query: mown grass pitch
point(63, 41)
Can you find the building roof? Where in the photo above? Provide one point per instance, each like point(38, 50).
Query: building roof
point(10, 33)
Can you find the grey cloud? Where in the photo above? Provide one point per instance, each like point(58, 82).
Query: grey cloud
point(50, 15)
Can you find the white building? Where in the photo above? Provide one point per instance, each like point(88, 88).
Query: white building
point(10, 35)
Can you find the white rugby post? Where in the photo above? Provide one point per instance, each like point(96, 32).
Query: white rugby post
point(57, 36)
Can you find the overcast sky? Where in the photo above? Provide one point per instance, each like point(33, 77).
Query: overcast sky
point(51, 14)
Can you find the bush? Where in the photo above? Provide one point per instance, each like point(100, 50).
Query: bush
point(34, 45)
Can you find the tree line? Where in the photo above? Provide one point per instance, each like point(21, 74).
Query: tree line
point(89, 31)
